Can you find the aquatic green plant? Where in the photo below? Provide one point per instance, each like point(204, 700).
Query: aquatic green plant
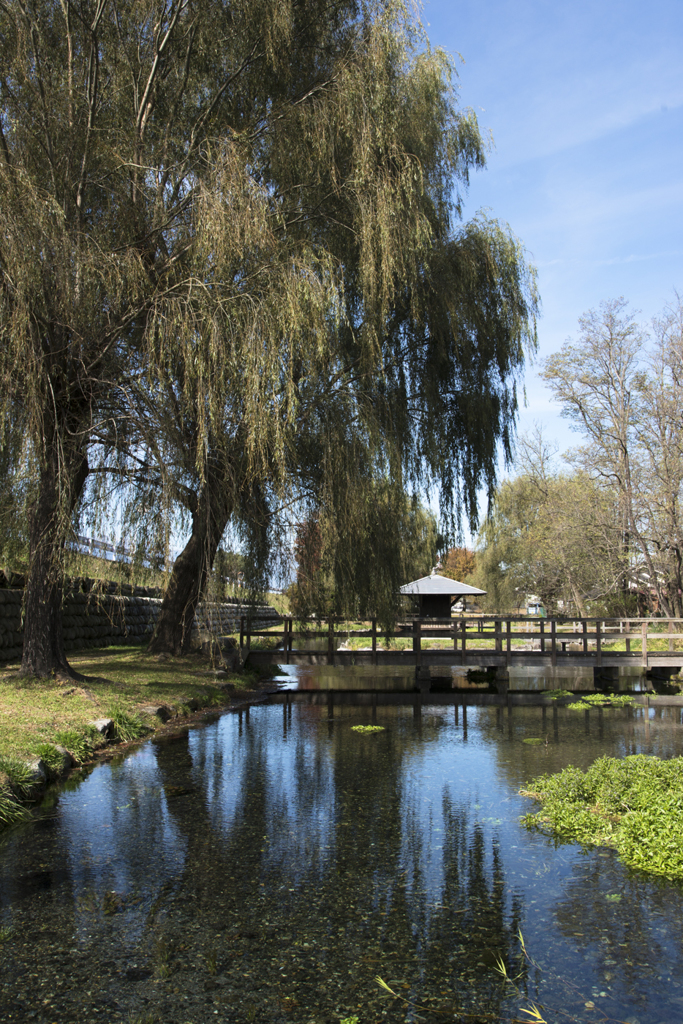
point(557, 694)
point(367, 728)
point(601, 700)
point(632, 804)
point(10, 810)
point(533, 740)
point(350, 1020)
point(5, 933)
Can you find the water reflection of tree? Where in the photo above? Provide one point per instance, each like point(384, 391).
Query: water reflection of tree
point(314, 882)
point(81, 879)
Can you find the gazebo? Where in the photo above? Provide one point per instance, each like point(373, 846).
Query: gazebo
point(436, 594)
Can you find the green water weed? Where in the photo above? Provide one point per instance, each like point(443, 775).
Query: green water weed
point(364, 729)
point(601, 700)
point(211, 961)
point(11, 811)
point(630, 804)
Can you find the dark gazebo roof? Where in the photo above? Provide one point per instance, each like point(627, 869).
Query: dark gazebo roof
point(441, 586)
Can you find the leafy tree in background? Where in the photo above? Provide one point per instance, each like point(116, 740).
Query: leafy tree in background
point(553, 534)
point(213, 212)
point(560, 542)
point(458, 564)
point(624, 396)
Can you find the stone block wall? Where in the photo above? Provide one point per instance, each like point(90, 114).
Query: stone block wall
point(100, 619)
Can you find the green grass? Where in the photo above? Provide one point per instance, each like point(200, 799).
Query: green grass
point(634, 805)
point(118, 682)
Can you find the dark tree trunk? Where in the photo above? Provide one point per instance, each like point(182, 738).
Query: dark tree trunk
point(173, 631)
point(49, 522)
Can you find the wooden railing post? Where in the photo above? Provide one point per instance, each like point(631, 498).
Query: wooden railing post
point(542, 626)
point(499, 638)
point(585, 635)
point(288, 639)
point(241, 632)
point(454, 628)
point(553, 642)
point(671, 639)
point(464, 640)
point(417, 642)
point(628, 638)
point(508, 639)
point(374, 641)
point(644, 651)
point(598, 644)
point(330, 641)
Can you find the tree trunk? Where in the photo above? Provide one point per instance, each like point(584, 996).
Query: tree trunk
point(49, 523)
point(173, 631)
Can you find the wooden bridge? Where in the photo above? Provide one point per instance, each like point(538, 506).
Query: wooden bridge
point(473, 641)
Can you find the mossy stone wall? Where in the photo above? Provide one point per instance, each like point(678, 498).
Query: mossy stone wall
point(100, 619)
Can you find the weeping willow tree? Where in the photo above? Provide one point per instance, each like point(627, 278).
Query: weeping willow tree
point(358, 574)
point(385, 340)
point(229, 239)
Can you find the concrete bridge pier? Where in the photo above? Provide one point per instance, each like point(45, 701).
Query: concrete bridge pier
point(501, 679)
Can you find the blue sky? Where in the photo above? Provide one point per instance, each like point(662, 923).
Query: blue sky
point(585, 104)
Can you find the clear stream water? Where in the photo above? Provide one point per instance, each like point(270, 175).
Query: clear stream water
point(269, 866)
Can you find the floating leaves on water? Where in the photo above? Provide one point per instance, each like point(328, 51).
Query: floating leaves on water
point(601, 700)
point(613, 897)
point(367, 728)
point(532, 740)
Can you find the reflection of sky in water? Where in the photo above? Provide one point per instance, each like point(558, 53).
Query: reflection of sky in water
point(120, 835)
point(313, 857)
point(298, 778)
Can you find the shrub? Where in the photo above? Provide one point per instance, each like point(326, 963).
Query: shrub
point(52, 758)
point(126, 725)
point(79, 742)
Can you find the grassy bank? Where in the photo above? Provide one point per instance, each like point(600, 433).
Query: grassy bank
point(41, 719)
point(119, 679)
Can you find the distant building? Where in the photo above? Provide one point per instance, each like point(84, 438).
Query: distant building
point(435, 595)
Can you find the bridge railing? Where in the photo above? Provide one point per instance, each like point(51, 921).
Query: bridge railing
point(502, 635)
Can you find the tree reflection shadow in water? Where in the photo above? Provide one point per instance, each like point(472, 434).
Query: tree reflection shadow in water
point(271, 868)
